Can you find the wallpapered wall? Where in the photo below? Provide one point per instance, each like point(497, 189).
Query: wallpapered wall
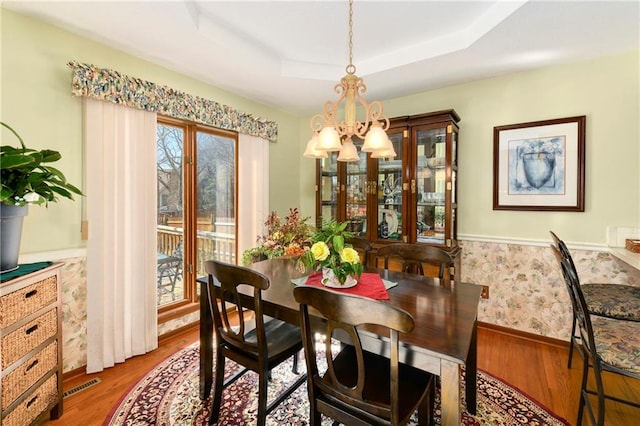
point(526, 291)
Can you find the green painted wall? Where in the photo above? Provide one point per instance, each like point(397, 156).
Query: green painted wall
point(37, 102)
point(606, 90)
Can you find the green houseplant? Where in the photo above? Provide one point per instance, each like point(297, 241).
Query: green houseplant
point(26, 178)
point(331, 254)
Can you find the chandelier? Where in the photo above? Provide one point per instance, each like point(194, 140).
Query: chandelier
point(332, 134)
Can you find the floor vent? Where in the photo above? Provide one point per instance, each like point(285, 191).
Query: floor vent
point(81, 387)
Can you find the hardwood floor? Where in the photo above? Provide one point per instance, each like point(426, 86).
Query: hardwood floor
point(537, 369)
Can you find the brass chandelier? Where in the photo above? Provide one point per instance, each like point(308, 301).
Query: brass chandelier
point(329, 131)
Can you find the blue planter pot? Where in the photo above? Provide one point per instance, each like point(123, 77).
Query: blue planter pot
point(10, 233)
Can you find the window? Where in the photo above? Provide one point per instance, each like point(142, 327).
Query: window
point(197, 207)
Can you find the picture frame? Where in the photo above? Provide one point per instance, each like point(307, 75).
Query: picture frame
point(540, 165)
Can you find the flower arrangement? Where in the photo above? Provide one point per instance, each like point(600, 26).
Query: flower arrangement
point(26, 180)
point(330, 251)
point(288, 237)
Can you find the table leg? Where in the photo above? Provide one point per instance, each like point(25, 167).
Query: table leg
point(206, 343)
point(472, 372)
point(450, 398)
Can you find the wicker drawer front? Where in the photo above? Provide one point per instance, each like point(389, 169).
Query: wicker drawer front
point(34, 404)
point(27, 300)
point(20, 379)
point(18, 343)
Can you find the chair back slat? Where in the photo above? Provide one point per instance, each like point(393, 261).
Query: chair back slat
point(230, 278)
point(345, 315)
point(412, 257)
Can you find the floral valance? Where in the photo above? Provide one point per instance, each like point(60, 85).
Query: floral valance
point(108, 85)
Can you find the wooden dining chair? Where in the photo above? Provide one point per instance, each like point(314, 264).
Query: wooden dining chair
point(618, 301)
point(360, 387)
point(607, 344)
point(412, 257)
point(363, 247)
point(260, 349)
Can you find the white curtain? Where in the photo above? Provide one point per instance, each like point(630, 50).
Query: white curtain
point(120, 153)
point(253, 190)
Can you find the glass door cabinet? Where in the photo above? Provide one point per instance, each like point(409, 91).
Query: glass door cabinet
point(410, 198)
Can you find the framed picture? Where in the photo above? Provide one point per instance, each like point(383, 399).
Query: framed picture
point(539, 165)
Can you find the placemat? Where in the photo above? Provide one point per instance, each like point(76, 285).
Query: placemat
point(369, 285)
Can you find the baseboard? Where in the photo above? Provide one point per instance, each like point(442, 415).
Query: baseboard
point(524, 335)
point(82, 371)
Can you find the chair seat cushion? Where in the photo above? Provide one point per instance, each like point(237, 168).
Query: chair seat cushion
point(613, 300)
point(618, 342)
point(281, 337)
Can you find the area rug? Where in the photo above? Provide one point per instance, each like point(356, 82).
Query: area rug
point(168, 395)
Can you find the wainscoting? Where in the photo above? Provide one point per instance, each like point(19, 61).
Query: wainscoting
point(526, 290)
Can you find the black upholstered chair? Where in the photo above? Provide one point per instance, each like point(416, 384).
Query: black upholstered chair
point(412, 257)
point(607, 344)
point(260, 349)
point(359, 387)
point(618, 301)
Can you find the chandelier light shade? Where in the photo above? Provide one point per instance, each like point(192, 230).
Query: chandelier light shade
point(311, 151)
point(331, 130)
point(385, 151)
point(348, 152)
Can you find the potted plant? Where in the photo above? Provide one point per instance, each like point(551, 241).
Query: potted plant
point(26, 179)
point(329, 253)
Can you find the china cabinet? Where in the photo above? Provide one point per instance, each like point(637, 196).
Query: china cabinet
point(410, 198)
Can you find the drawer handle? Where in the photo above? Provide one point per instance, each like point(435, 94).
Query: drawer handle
point(32, 401)
point(32, 329)
point(33, 364)
point(30, 294)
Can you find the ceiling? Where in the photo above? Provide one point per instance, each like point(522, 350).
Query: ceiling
point(290, 54)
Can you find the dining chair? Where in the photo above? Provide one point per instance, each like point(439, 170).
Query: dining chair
point(360, 387)
point(363, 247)
point(260, 349)
point(412, 257)
point(619, 301)
point(607, 344)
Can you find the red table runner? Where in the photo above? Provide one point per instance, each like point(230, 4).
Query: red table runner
point(369, 285)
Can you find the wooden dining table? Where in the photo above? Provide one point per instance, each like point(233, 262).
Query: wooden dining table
point(443, 341)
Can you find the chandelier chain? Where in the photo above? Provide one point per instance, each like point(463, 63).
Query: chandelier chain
point(351, 69)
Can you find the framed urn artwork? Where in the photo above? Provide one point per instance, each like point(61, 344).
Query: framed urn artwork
point(539, 165)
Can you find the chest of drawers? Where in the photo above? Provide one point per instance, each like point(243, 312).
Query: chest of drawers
point(31, 347)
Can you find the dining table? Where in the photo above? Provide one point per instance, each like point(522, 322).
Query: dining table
point(443, 341)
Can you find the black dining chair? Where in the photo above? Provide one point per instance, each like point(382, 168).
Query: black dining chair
point(607, 344)
point(260, 349)
point(360, 387)
point(618, 301)
point(363, 247)
point(413, 256)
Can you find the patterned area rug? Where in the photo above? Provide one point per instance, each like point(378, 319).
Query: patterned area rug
point(168, 395)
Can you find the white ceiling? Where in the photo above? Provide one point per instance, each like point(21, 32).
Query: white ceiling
point(290, 54)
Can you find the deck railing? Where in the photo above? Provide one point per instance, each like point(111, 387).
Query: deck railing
point(210, 245)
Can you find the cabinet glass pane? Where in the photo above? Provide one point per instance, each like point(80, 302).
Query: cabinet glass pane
point(431, 185)
point(328, 188)
point(389, 200)
point(356, 193)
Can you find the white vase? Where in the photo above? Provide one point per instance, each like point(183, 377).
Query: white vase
point(329, 279)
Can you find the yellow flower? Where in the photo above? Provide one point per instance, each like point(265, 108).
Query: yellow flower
point(349, 255)
point(320, 251)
